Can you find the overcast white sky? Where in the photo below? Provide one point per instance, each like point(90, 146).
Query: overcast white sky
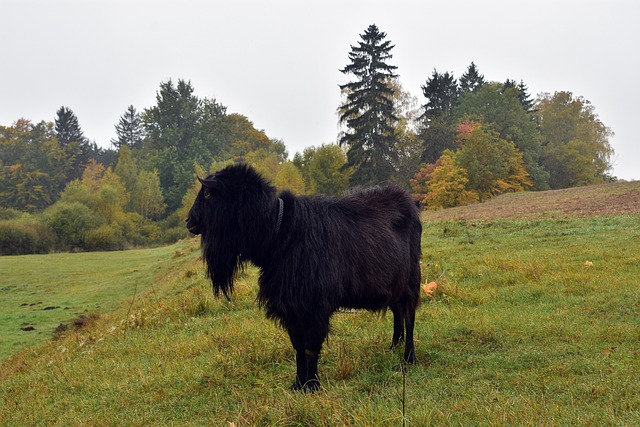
point(277, 62)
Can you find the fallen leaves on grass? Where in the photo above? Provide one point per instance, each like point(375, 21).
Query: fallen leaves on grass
point(430, 288)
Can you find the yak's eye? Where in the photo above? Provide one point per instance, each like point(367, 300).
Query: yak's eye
point(207, 195)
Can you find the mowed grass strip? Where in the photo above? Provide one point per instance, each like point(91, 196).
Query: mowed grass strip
point(533, 322)
point(39, 293)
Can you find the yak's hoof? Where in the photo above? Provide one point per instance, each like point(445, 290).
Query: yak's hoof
point(296, 386)
point(310, 386)
point(396, 342)
point(410, 359)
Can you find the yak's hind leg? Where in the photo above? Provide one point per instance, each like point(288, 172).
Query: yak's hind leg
point(404, 318)
point(398, 326)
point(409, 349)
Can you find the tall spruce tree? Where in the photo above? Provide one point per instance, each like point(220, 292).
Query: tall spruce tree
point(72, 140)
point(471, 80)
point(525, 98)
point(368, 111)
point(441, 92)
point(437, 132)
point(129, 130)
point(67, 127)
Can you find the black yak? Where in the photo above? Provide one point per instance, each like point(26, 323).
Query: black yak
point(315, 255)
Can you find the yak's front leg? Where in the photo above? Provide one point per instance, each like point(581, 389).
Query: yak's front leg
point(297, 340)
point(315, 332)
point(306, 359)
point(312, 384)
point(306, 372)
point(307, 340)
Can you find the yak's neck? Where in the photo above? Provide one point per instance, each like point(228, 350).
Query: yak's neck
point(265, 242)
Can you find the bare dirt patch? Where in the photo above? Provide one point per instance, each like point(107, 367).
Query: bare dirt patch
point(618, 198)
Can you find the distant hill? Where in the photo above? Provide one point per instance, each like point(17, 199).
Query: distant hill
point(618, 198)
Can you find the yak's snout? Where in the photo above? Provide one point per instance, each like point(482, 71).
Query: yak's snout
point(192, 225)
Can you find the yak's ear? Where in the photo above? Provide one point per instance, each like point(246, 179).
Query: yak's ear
point(210, 182)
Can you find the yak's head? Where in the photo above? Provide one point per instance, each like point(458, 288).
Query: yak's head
point(232, 213)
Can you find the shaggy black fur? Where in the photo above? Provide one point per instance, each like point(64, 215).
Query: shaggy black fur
point(361, 251)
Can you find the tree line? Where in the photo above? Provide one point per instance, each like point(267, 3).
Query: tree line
point(467, 140)
point(470, 138)
point(59, 191)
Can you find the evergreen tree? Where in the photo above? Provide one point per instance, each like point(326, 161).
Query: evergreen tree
point(438, 130)
point(525, 98)
point(471, 80)
point(107, 156)
point(171, 128)
point(67, 128)
point(129, 130)
point(72, 139)
point(368, 110)
point(436, 137)
point(441, 91)
point(214, 129)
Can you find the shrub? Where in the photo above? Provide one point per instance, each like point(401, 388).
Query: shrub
point(107, 237)
point(20, 237)
point(9, 213)
point(174, 234)
point(70, 222)
point(136, 230)
point(150, 232)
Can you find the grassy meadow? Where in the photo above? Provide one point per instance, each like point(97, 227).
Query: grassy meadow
point(45, 293)
point(535, 321)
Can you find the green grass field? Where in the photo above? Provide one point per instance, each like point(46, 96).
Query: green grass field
point(534, 322)
point(41, 292)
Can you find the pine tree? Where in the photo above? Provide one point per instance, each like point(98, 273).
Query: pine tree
point(368, 110)
point(129, 129)
point(471, 80)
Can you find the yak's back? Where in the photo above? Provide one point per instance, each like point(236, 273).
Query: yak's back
point(389, 203)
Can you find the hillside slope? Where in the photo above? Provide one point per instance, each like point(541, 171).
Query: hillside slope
point(618, 198)
point(531, 320)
